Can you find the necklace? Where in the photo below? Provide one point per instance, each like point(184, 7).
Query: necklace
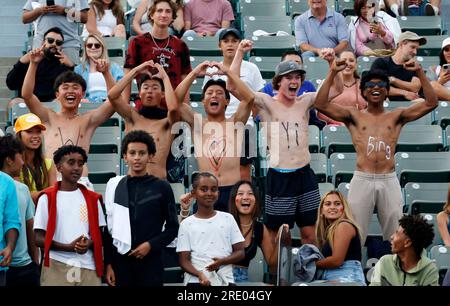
point(247, 225)
point(348, 86)
point(157, 46)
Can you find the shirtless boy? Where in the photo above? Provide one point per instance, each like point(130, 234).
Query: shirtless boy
point(375, 132)
point(67, 127)
point(150, 118)
point(217, 141)
point(292, 191)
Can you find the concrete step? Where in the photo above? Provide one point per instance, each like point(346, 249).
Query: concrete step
point(5, 69)
point(7, 60)
point(11, 19)
point(11, 10)
point(14, 28)
point(12, 40)
point(5, 93)
point(12, 51)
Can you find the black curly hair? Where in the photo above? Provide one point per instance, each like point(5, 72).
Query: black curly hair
point(418, 230)
point(9, 147)
point(66, 150)
point(373, 74)
point(198, 175)
point(141, 137)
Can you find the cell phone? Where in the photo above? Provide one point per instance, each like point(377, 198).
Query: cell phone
point(446, 67)
point(50, 2)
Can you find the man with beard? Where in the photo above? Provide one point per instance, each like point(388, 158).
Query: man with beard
point(53, 64)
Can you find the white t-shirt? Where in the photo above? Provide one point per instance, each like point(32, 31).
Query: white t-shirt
point(250, 74)
point(96, 82)
point(105, 25)
point(209, 238)
point(71, 223)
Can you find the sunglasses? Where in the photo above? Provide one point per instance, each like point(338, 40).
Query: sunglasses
point(96, 46)
point(373, 84)
point(51, 40)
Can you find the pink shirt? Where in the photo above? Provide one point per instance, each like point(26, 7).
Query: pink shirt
point(349, 98)
point(207, 15)
point(363, 35)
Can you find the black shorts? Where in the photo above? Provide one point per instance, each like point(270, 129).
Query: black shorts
point(248, 154)
point(291, 197)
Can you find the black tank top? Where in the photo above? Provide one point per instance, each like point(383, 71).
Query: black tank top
point(354, 249)
point(250, 251)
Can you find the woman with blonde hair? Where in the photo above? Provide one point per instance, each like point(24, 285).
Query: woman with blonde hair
point(105, 18)
point(95, 51)
point(338, 238)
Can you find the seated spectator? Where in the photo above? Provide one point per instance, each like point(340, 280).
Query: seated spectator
point(244, 206)
point(52, 65)
point(209, 241)
point(305, 87)
point(372, 35)
point(404, 83)
point(24, 269)
point(105, 18)
point(64, 14)
point(207, 17)
point(320, 27)
point(37, 171)
point(68, 224)
point(409, 264)
point(141, 23)
point(415, 7)
point(338, 238)
point(94, 50)
point(440, 75)
point(443, 222)
point(351, 96)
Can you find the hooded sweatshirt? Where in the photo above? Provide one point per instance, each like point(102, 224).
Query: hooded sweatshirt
point(388, 272)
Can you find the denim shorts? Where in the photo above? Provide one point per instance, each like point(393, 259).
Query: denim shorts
point(240, 274)
point(350, 272)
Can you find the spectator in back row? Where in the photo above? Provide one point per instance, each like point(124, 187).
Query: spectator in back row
point(52, 65)
point(95, 50)
point(414, 8)
point(65, 14)
point(207, 17)
point(159, 46)
point(404, 83)
point(105, 18)
point(319, 28)
point(306, 86)
point(141, 21)
point(409, 264)
point(372, 34)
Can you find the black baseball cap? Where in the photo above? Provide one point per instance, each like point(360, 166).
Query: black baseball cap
point(227, 31)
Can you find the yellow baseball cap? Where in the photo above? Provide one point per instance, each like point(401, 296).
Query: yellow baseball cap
point(27, 121)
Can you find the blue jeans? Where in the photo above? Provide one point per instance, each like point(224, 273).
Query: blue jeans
point(240, 274)
point(418, 11)
point(350, 272)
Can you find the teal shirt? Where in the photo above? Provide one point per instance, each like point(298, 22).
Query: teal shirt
point(9, 210)
point(21, 257)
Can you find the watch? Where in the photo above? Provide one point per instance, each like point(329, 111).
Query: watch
point(391, 79)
